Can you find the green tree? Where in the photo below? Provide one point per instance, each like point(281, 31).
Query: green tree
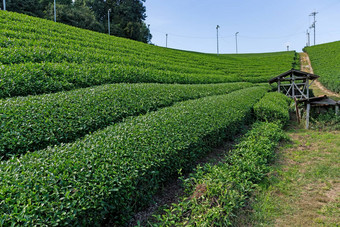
point(77, 15)
point(126, 19)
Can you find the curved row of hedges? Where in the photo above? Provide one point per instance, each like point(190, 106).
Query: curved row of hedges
point(115, 171)
point(39, 56)
point(273, 108)
point(35, 122)
point(40, 78)
point(214, 193)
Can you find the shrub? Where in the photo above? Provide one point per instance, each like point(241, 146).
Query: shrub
point(114, 172)
point(214, 193)
point(273, 107)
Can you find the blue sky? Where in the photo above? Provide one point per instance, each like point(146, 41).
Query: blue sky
point(263, 25)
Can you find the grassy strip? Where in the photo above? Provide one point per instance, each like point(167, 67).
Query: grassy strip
point(35, 122)
point(214, 194)
point(113, 172)
point(303, 186)
point(273, 108)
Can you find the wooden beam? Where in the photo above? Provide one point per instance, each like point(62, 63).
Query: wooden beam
point(298, 84)
point(307, 83)
point(307, 115)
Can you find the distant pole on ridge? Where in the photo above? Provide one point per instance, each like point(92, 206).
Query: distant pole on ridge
point(308, 38)
point(4, 5)
point(55, 12)
point(236, 41)
point(166, 40)
point(313, 14)
point(217, 27)
point(108, 20)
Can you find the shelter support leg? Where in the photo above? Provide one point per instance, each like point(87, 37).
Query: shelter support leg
point(307, 115)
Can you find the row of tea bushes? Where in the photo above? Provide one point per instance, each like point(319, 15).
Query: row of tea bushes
point(39, 78)
point(35, 122)
point(325, 60)
point(273, 108)
point(215, 193)
point(114, 172)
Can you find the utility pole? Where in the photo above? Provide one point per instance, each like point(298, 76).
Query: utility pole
point(166, 40)
point(4, 1)
point(236, 41)
point(313, 14)
point(108, 20)
point(308, 38)
point(217, 27)
point(287, 47)
point(55, 12)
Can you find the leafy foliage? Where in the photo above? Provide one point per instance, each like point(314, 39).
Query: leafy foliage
point(325, 62)
point(273, 108)
point(216, 192)
point(115, 171)
point(34, 122)
point(127, 18)
point(39, 56)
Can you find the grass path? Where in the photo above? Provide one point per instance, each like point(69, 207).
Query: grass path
point(303, 189)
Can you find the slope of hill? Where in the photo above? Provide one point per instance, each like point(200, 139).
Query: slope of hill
point(39, 56)
point(325, 59)
point(123, 140)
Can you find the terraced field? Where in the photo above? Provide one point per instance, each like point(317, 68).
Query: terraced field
point(93, 125)
point(39, 56)
point(325, 60)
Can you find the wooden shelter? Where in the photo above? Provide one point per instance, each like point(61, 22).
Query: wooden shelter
point(294, 83)
point(321, 101)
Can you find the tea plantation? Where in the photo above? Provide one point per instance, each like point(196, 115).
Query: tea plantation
point(92, 126)
point(325, 60)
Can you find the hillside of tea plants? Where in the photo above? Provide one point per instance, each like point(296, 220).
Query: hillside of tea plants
point(39, 56)
point(325, 59)
point(93, 125)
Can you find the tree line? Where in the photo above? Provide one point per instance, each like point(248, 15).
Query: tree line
point(127, 17)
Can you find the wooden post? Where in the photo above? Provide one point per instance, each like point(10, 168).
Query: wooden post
point(307, 81)
point(293, 85)
point(279, 86)
point(307, 115)
point(297, 111)
point(337, 109)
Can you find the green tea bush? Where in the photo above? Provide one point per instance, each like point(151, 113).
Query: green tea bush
point(39, 56)
point(214, 193)
point(113, 172)
point(325, 62)
point(34, 122)
point(273, 107)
